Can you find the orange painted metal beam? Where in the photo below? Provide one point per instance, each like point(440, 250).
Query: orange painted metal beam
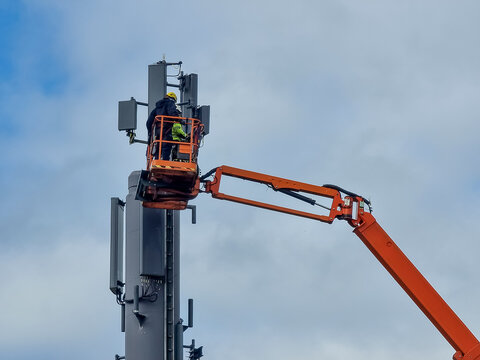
point(417, 287)
point(213, 187)
point(377, 241)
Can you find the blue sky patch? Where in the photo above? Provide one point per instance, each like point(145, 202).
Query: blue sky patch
point(9, 26)
point(30, 54)
point(31, 59)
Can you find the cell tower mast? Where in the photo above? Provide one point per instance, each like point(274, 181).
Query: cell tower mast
point(147, 283)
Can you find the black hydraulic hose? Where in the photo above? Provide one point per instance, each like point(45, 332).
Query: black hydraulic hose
point(202, 178)
point(349, 193)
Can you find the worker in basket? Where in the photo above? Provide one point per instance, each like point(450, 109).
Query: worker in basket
point(165, 107)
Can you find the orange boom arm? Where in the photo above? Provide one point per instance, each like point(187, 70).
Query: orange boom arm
point(352, 209)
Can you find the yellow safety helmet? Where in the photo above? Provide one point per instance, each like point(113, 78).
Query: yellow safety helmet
point(172, 95)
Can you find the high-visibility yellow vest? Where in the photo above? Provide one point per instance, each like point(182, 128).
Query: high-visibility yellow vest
point(177, 132)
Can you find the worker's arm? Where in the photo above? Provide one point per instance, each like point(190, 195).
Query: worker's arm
point(150, 120)
point(177, 131)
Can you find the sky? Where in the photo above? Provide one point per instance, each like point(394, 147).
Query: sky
point(378, 97)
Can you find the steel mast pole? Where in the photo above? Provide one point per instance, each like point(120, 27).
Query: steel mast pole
point(150, 262)
point(144, 286)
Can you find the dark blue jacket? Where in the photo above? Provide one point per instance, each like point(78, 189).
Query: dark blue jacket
point(166, 107)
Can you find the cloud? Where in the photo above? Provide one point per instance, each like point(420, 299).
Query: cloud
point(54, 294)
point(379, 98)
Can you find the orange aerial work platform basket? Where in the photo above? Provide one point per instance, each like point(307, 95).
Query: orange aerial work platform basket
point(171, 178)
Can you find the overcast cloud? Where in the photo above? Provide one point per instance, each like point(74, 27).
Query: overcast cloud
point(379, 97)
